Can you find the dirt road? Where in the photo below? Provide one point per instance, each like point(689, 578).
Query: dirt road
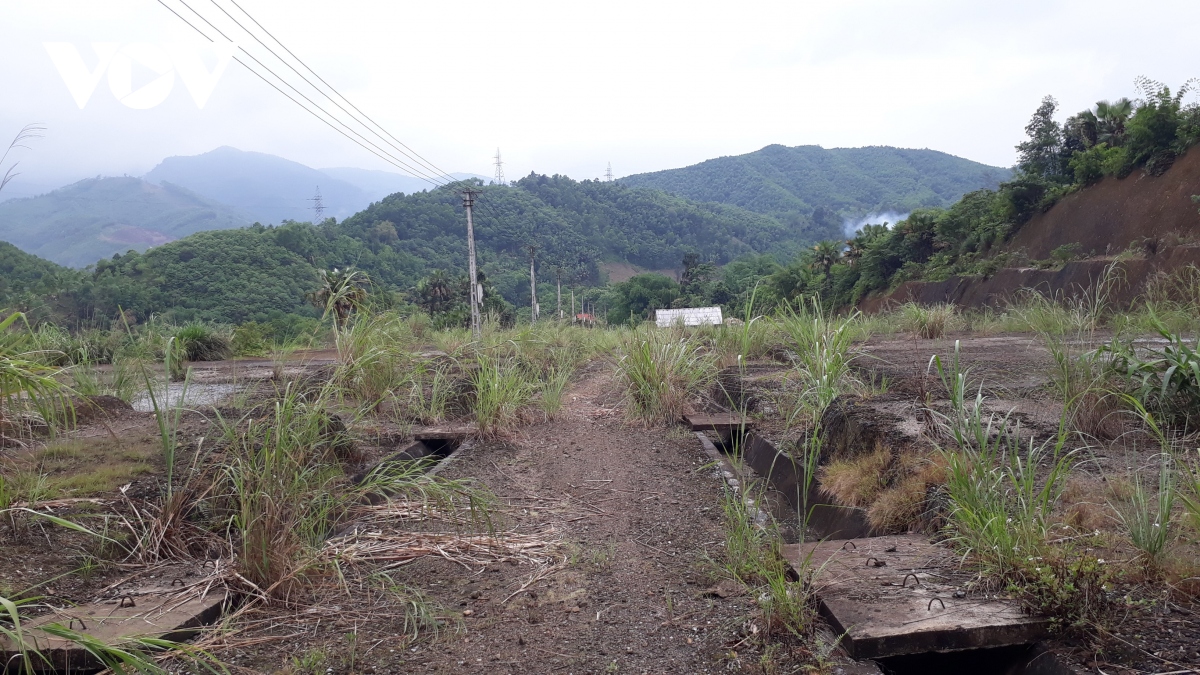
point(639, 515)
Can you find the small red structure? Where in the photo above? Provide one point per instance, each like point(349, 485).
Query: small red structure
point(585, 319)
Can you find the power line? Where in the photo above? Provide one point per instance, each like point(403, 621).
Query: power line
point(384, 157)
point(417, 173)
point(401, 148)
point(423, 161)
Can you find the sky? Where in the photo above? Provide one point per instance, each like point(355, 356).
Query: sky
point(569, 87)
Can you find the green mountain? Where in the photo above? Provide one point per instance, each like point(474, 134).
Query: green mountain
point(26, 278)
point(98, 217)
point(258, 272)
point(808, 182)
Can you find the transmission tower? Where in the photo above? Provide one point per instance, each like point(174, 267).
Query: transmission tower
point(318, 207)
point(608, 174)
point(499, 180)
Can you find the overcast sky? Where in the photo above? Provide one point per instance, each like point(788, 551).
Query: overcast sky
point(566, 87)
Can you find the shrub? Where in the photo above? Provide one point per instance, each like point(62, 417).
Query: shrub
point(1167, 378)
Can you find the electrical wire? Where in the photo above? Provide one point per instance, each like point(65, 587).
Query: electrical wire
point(403, 148)
point(417, 173)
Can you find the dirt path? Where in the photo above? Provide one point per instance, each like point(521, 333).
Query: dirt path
point(638, 516)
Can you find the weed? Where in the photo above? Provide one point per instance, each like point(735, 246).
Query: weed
point(203, 342)
point(1168, 378)
point(857, 482)
point(928, 321)
point(1146, 517)
point(661, 374)
point(551, 399)
point(500, 393)
point(820, 346)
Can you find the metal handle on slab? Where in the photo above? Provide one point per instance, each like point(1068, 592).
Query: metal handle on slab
point(916, 580)
point(930, 607)
point(124, 598)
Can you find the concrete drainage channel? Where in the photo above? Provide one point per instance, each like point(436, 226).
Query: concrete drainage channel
point(898, 601)
point(180, 601)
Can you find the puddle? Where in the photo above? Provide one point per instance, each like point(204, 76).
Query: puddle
point(198, 395)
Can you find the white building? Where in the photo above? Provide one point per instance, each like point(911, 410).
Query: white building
point(690, 316)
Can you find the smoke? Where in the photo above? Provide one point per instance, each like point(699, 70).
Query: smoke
point(850, 226)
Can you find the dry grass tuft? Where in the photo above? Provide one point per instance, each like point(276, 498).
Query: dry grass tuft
point(1083, 512)
point(902, 506)
point(857, 482)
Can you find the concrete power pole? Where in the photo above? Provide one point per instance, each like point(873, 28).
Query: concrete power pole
point(468, 197)
point(533, 284)
point(558, 280)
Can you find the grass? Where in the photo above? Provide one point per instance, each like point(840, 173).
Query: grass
point(753, 557)
point(857, 482)
point(500, 392)
point(928, 321)
point(662, 372)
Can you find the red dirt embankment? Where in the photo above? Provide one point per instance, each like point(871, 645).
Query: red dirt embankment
point(1107, 216)
point(1104, 219)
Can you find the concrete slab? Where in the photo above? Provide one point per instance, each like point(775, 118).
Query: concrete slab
point(901, 594)
point(167, 616)
point(723, 422)
point(445, 432)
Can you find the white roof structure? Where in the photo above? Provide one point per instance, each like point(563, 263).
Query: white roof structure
point(690, 316)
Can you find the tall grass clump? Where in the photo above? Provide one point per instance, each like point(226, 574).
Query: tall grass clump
point(1000, 508)
point(928, 321)
point(661, 372)
point(819, 344)
point(753, 557)
point(200, 341)
point(374, 356)
point(27, 385)
point(283, 488)
point(1146, 514)
point(500, 392)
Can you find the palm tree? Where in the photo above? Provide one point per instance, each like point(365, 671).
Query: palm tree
point(435, 291)
point(1111, 117)
point(826, 253)
point(341, 292)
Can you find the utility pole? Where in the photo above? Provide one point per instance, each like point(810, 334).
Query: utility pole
point(608, 174)
point(558, 280)
point(468, 197)
point(572, 305)
point(499, 179)
point(533, 284)
point(318, 207)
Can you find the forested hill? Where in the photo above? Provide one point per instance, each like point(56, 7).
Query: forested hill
point(98, 217)
point(25, 278)
point(256, 272)
point(784, 181)
point(574, 225)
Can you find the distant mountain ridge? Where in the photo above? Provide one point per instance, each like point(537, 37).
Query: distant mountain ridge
point(94, 218)
point(270, 189)
point(779, 180)
point(273, 189)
